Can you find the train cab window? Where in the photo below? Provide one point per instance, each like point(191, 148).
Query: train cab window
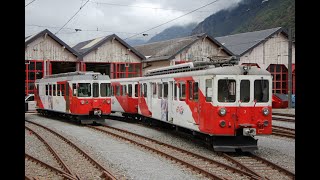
point(58, 89)
point(62, 89)
point(124, 90)
point(190, 90)
point(47, 89)
point(74, 89)
point(50, 89)
point(136, 90)
point(95, 89)
point(182, 93)
point(54, 90)
point(226, 90)
point(175, 91)
point(105, 90)
point(112, 90)
point(84, 90)
point(245, 91)
point(209, 90)
point(145, 90)
point(140, 90)
point(130, 90)
point(165, 90)
point(261, 90)
point(160, 90)
point(154, 90)
point(117, 90)
point(195, 91)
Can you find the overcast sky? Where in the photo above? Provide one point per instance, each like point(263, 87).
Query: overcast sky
point(124, 18)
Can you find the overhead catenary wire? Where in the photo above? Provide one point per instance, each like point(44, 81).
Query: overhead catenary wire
point(72, 17)
point(173, 19)
point(29, 3)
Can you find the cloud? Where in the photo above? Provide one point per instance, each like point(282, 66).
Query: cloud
point(122, 17)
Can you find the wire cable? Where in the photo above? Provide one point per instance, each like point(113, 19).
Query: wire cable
point(173, 19)
point(72, 17)
point(29, 3)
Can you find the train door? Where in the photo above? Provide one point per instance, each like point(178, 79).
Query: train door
point(170, 101)
point(68, 100)
point(206, 113)
point(149, 97)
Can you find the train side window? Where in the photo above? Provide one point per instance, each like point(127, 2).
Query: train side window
point(124, 90)
point(182, 93)
point(209, 90)
point(118, 90)
point(140, 90)
point(95, 91)
point(154, 90)
point(112, 90)
point(195, 91)
point(160, 90)
point(245, 91)
point(175, 91)
point(38, 89)
point(62, 89)
point(74, 89)
point(50, 89)
point(130, 90)
point(47, 89)
point(145, 90)
point(136, 90)
point(54, 90)
point(58, 89)
point(165, 90)
point(190, 90)
point(261, 90)
point(226, 90)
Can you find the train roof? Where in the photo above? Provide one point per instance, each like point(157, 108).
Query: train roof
point(77, 75)
point(225, 70)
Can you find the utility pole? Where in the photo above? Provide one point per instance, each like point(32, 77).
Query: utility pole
point(290, 68)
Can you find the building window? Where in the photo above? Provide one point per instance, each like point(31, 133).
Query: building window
point(126, 70)
point(279, 74)
point(33, 71)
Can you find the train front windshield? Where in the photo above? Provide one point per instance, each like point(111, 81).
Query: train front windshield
point(84, 90)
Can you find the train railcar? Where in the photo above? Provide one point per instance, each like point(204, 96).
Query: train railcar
point(81, 96)
point(230, 105)
point(124, 97)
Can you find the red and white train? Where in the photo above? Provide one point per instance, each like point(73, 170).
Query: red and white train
point(229, 104)
point(82, 96)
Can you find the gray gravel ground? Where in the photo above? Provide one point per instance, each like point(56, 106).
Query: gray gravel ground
point(124, 159)
point(284, 124)
point(138, 164)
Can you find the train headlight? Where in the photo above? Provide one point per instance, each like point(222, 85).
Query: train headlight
point(82, 102)
point(222, 123)
point(265, 111)
point(266, 123)
point(222, 111)
point(108, 101)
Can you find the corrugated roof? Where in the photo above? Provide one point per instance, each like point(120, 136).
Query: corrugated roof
point(85, 47)
point(241, 43)
point(168, 49)
point(31, 38)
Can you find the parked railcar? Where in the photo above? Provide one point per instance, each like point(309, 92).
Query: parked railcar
point(124, 97)
point(230, 105)
point(81, 96)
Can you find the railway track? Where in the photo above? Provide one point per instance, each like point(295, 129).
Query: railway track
point(260, 166)
point(223, 167)
point(38, 169)
point(283, 114)
point(207, 167)
point(282, 131)
point(71, 158)
point(283, 117)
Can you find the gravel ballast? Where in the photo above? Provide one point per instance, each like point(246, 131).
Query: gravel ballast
point(122, 158)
